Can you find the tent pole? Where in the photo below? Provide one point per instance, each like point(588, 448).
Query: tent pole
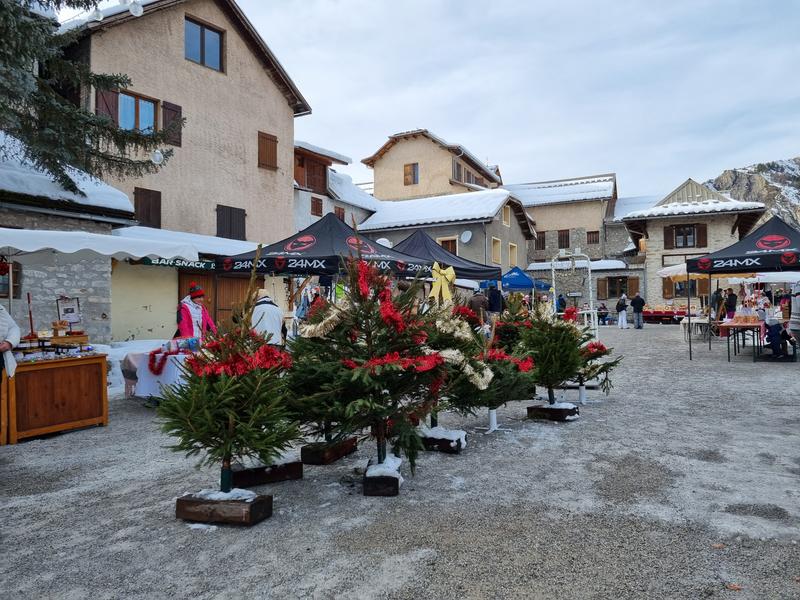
point(10, 285)
point(689, 311)
point(709, 311)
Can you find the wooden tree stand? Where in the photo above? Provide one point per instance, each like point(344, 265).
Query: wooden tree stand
point(234, 512)
point(547, 412)
point(245, 477)
point(442, 445)
point(324, 453)
point(381, 486)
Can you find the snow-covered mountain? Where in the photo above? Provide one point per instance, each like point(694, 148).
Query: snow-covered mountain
point(776, 184)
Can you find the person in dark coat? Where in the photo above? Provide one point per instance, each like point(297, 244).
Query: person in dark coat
point(637, 303)
point(496, 302)
point(602, 313)
point(561, 303)
point(730, 303)
point(479, 304)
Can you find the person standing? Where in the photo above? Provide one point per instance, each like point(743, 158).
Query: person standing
point(268, 319)
point(193, 317)
point(622, 312)
point(637, 303)
point(602, 314)
point(730, 303)
point(561, 303)
point(794, 318)
point(479, 304)
point(496, 302)
point(9, 338)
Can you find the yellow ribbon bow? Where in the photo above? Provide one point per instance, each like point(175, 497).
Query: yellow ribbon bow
point(442, 280)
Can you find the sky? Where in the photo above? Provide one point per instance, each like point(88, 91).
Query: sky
point(654, 91)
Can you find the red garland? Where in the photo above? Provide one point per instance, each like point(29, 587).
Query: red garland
point(420, 364)
point(524, 364)
point(389, 313)
point(156, 366)
point(266, 357)
point(594, 350)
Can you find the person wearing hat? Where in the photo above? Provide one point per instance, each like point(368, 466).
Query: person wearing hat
point(193, 317)
point(9, 337)
point(268, 319)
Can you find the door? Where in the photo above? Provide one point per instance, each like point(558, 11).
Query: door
point(231, 292)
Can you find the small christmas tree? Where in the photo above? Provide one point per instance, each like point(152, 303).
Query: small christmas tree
point(231, 404)
point(591, 365)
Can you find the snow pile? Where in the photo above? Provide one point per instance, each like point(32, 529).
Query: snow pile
point(440, 433)
point(234, 494)
point(561, 405)
point(388, 468)
point(202, 527)
point(323, 151)
point(342, 188)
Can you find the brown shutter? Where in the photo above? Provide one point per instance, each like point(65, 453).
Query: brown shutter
point(147, 204)
point(669, 238)
point(702, 287)
point(702, 235)
point(316, 173)
point(223, 221)
point(107, 104)
point(602, 288)
point(633, 285)
point(170, 114)
point(267, 151)
point(667, 288)
point(408, 175)
point(238, 224)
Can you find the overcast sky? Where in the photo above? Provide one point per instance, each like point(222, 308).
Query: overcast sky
point(654, 91)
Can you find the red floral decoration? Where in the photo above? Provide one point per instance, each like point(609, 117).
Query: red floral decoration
point(156, 363)
point(523, 364)
point(389, 313)
point(420, 364)
point(466, 313)
point(319, 305)
point(236, 363)
point(571, 314)
point(594, 350)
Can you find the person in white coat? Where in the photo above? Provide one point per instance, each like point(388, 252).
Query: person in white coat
point(622, 312)
point(268, 318)
point(9, 338)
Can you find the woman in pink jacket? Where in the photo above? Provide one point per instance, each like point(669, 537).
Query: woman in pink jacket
point(193, 317)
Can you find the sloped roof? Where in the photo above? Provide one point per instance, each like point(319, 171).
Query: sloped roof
point(630, 204)
point(341, 187)
point(20, 177)
point(118, 14)
point(557, 191)
point(436, 210)
point(330, 154)
point(691, 198)
point(205, 244)
point(490, 172)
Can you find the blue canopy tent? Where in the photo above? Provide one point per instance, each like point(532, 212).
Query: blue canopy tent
point(517, 280)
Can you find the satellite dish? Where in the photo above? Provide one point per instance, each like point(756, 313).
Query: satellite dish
point(384, 242)
point(466, 236)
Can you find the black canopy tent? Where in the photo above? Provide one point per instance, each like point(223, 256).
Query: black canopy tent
point(772, 247)
point(320, 249)
point(422, 245)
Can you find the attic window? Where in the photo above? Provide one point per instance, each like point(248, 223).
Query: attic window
point(203, 44)
point(411, 174)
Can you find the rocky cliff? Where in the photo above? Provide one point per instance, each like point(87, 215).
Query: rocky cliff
point(776, 184)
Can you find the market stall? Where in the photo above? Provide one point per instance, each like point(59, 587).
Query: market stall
point(421, 245)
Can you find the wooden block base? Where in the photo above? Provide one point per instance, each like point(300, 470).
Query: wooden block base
point(234, 512)
point(546, 413)
point(442, 445)
point(244, 477)
point(381, 486)
point(322, 453)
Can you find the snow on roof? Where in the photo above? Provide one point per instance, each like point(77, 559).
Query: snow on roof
point(335, 156)
point(107, 11)
point(537, 193)
point(18, 175)
point(597, 265)
point(205, 244)
point(342, 188)
point(629, 204)
point(469, 206)
point(694, 208)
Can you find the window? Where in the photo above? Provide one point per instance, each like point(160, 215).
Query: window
point(449, 243)
point(339, 212)
point(512, 255)
point(267, 151)
point(563, 238)
point(316, 206)
point(497, 251)
point(203, 44)
point(231, 222)
point(457, 171)
point(617, 286)
point(679, 289)
point(136, 113)
point(592, 237)
point(684, 236)
point(148, 207)
point(541, 240)
point(16, 272)
point(507, 216)
point(411, 174)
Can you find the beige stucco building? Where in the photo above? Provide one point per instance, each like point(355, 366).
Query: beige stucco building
point(418, 164)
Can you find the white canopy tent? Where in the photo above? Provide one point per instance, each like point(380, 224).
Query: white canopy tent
point(14, 242)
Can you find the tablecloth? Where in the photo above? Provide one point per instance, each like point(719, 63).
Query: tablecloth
point(147, 383)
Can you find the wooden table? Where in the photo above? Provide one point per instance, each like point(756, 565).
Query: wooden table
point(733, 330)
point(54, 395)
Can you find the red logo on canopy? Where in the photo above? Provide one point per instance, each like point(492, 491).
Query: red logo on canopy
point(704, 264)
point(227, 264)
point(789, 258)
point(280, 263)
point(300, 244)
point(773, 242)
point(401, 266)
point(359, 245)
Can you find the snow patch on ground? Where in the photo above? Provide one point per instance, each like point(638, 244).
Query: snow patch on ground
point(561, 405)
point(388, 468)
point(202, 527)
point(441, 433)
point(234, 494)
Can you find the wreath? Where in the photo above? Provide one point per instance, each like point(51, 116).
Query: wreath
point(156, 365)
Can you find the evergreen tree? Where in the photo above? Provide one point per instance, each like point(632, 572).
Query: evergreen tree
point(55, 133)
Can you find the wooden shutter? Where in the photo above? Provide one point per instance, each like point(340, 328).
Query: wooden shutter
point(602, 288)
point(171, 113)
point(339, 212)
point(316, 207)
point(701, 231)
point(702, 287)
point(107, 104)
point(267, 151)
point(316, 173)
point(667, 289)
point(408, 174)
point(147, 204)
point(633, 286)
point(238, 227)
point(669, 239)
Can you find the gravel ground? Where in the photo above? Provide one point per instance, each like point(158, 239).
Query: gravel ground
point(683, 483)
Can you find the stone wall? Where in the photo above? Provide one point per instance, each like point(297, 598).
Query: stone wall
point(577, 239)
point(577, 281)
point(48, 275)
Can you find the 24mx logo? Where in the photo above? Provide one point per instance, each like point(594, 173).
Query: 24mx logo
point(789, 258)
point(737, 262)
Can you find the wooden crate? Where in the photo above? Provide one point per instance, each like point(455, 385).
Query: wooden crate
point(56, 395)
